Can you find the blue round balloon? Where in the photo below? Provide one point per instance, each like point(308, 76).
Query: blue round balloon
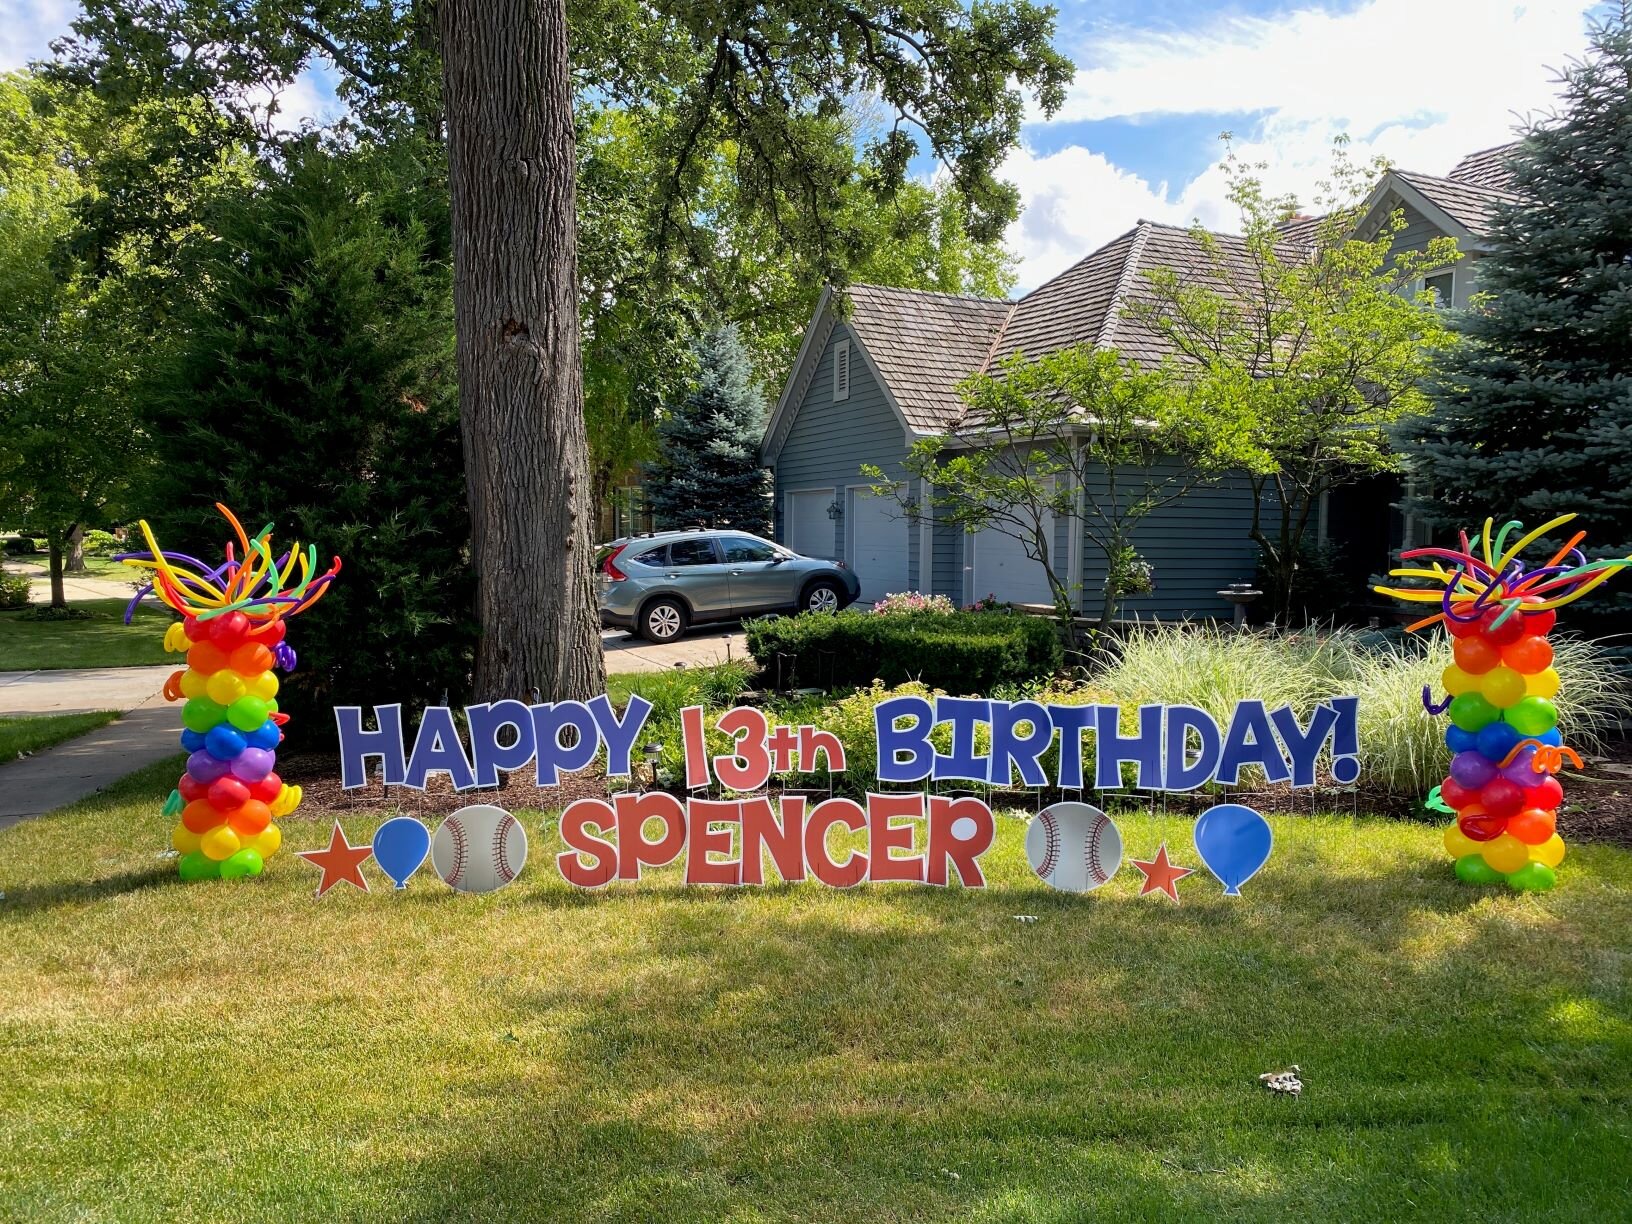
point(223, 741)
point(264, 736)
point(1552, 736)
point(1458, 740)
point(400, 847)
point(1234, 841)
point(192, 741)
point(1497, 739)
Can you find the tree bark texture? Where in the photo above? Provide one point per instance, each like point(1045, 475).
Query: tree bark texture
point(76, 550)
point(508, 98)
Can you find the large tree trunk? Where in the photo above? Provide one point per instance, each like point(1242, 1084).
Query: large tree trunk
point(59, 597)
point(76, 550)
point(508, 97)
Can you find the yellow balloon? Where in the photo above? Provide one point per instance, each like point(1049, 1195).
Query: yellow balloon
point(1457, 681)
point(1542, 684)
point(175, 638)
point(182, 839)
point(1458, 843)
point(265, 685)
point(287, 801)
point(220, 843)
point(1550, 851)
point(1505, 854)
point(266, 842)
point(194, 683)
point(225, 686)
point(1502, 687)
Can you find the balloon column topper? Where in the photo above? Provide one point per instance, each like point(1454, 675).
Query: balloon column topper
point(1504, 735)
point(233, 632)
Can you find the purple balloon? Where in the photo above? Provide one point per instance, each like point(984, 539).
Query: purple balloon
point(283, 655)
point(253, 764)
point(1471, 770)
point(202, 767)
point(1522, 769)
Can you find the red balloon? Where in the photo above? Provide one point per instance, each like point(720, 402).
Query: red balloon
point(1475, 655)
point(191, 788)
point(1457, 795)
point(1533, 826)
point(228, 631)
point(1501, 798)
point(1546, 795)
point(1541, 622)
point(195, 629)
point(228, 794)
point(1508, 632)
point(266, 790)
point(1479, 825)
point(270, 633)
point(1463, 629)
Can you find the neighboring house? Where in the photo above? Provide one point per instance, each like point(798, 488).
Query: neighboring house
point(869, 382)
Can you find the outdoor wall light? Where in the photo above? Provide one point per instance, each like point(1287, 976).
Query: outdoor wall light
point(835, 511)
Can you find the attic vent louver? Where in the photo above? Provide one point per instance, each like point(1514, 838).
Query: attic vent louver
point(841, 370)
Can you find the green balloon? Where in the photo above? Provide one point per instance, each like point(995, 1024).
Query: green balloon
point(1473, 712)
point(1472, 869)
point(247, 713)
point(200, 714)
point(244, 863)
point(198, 866)
point(1533, 877)
point(1533, 716)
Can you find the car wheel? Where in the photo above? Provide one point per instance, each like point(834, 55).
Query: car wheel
point(821, 596)
point(663, 620)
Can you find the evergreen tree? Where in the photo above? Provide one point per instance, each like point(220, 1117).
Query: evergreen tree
point(708, 470)
point(1533, 410)
point(315, 388)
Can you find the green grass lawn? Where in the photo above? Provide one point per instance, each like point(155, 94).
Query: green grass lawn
point(245, 1052)
point(102, 640)
point(95, 567)
point(35, 732)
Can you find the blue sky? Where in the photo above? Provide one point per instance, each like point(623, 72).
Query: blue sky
point(1420, 82)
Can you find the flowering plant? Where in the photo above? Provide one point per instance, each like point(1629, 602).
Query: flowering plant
point(906, 602)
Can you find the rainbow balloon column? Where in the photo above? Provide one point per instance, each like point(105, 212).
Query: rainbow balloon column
point(1503, 730)
point(232, 631)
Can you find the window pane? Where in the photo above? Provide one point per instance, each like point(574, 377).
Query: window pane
point(742, 548)
point(691, 552)
point(1441, 287)
point(655, 557)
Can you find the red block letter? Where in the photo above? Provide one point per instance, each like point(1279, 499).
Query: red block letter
point(826, 814)
point(762, 831)
point(960, 831)
point(882, 837)
point(634, 851)
point(812, 741)
point(750, 767)
point(701, 814)
point(696, 746)
point(576, 821)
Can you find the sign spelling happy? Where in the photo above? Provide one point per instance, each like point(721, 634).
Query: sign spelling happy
point(726, 841)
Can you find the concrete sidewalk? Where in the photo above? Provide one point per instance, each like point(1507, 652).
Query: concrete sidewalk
point(67, 773)
point(73, 588)
point(71, 690)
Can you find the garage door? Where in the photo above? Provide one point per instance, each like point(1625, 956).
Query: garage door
point(809, 530)
point(878, 544)
point(1002, 568)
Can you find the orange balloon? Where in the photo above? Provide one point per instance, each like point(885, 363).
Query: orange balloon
point(251, 818)
point(200, 816)
point(1475, 655)
point(1532, 826)
point(1529, 655)
point(206, 657)
point(251, 659)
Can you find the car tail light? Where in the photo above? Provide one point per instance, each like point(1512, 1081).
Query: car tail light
point(612, 571)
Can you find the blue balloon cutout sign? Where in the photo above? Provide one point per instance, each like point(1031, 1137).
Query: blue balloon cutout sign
point(400, 847)
point(1234, 841)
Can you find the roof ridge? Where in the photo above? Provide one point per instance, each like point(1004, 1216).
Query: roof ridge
point(1130, 268)
point(997, 337)
point(1106, 245)
point(960, 297)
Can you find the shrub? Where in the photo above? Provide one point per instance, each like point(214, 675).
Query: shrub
point(907, 602)
point(101, 543)
point(19, 546)
point(959, 652)
point(14, 591)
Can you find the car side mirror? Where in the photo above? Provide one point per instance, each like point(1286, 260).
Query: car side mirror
point(778, 559)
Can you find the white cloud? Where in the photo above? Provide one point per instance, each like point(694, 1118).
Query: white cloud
point(1421, 82)
point(28, 26)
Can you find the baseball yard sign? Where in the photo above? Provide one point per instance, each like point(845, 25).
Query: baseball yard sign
point(748, 837)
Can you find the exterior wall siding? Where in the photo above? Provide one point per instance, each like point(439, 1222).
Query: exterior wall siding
point(830, 440)
point(1418, 233)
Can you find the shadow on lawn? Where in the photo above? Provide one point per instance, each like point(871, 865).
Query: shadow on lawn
point(80, 892)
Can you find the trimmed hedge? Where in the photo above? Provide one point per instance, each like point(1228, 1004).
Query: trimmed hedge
point(964, 653)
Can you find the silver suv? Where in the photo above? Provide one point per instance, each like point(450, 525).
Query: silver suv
point(660, 583)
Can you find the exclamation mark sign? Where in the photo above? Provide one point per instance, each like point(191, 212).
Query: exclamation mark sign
point(1346, 740)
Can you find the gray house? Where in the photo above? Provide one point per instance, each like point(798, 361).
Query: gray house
point(866, 385)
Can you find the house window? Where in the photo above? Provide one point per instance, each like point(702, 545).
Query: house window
point(630, 512)
point(1443, 287)
point(841, 370)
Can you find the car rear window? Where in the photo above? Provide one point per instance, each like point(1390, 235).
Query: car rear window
point(658, 556)
point(692, 552)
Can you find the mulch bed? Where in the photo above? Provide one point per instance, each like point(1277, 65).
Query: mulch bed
point(318, 775)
